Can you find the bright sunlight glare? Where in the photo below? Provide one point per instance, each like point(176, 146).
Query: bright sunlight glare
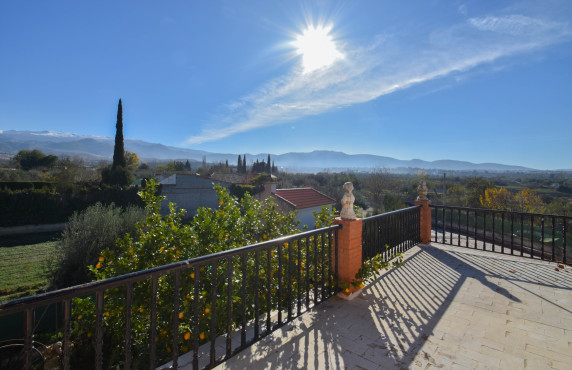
point(317, 48)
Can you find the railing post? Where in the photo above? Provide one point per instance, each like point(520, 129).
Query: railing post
point(425, 219)
point(349, 245)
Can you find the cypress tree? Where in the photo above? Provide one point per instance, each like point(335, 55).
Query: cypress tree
point(239, 164)
point(118, 173)
point(268, 168)
point(244, 163)
point(119, 150)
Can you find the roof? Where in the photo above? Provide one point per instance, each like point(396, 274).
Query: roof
point(232, 178)
point(304, 197)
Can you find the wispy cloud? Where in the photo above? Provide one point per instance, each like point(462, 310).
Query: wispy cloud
point(383, 67)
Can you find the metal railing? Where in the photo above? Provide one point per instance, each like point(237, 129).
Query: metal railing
point(529, 235)
point(148, 317)
point(391, 233)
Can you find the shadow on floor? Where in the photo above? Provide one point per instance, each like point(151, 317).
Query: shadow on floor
point(389, 324)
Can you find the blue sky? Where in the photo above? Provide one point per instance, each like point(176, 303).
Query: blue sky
point(482, 81)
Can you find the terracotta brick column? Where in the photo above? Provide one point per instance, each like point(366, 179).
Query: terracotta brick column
point(425, 221)
point(349, 255)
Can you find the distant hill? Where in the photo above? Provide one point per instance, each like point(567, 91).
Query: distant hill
point(101, 148)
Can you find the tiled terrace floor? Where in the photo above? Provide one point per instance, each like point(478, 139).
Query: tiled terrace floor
point(447, 307)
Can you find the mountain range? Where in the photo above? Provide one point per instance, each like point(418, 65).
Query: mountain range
point(96, 148)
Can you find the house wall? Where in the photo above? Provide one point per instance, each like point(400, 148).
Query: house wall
point(306, 216)
point(190, 192)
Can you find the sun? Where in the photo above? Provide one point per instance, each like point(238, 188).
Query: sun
point(317, 48)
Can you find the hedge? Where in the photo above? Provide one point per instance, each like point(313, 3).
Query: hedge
point(51, 204)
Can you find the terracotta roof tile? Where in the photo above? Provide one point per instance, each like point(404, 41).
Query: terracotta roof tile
point(304, 197)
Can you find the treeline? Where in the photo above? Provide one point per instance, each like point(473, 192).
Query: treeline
point(381, 191)
point(375, 192)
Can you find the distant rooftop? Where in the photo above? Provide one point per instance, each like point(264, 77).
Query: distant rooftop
point(304, 197)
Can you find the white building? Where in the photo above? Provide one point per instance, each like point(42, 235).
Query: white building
point(189, 192)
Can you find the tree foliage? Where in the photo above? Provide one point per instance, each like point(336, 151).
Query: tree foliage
point(159, 240)
point(174, 166)
point(525, 200)
point(131, 160)
point(254, 186)
point(119, 176)
point(380, 186)
point(29, 159)
point(475, 190)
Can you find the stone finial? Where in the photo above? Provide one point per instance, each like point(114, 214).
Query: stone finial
point(422, 191)
point(348, 203)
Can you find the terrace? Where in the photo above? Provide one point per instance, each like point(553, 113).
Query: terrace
point(446, 307)
point(477, 288)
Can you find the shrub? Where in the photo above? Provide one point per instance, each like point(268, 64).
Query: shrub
point(86, 234)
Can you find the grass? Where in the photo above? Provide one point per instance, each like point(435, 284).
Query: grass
point(23, 261)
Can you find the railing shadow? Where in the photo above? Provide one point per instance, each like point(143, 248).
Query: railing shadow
point(409, 302)
point(393, 323)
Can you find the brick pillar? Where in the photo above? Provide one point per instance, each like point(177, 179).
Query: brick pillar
point(349, 255)
point(425, 221)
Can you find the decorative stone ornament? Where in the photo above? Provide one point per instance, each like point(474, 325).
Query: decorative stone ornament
point(348, 199)
point(422, 191)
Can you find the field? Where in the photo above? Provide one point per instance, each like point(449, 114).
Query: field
point(23, 261)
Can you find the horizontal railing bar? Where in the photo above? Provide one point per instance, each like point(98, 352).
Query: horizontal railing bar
point(372, 218)
point(92, 287)
point(497, 211)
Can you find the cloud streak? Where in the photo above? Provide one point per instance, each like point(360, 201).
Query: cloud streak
point(385, 66)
